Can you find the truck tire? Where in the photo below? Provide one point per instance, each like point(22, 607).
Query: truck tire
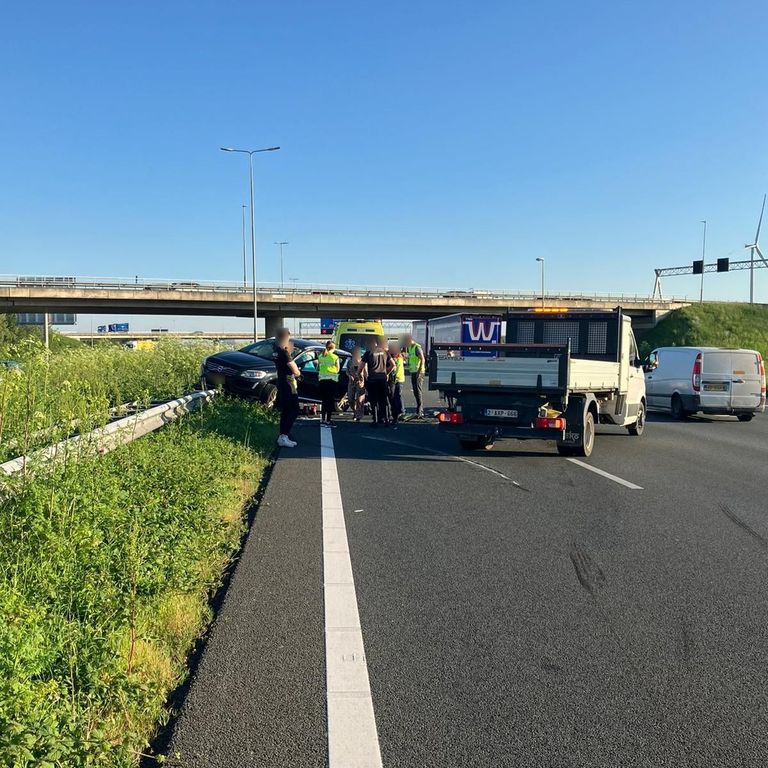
point(588, 441)
point(269, 398)
point(677, 409)
point(745, 417)
point(476, 443)
point(638, 427)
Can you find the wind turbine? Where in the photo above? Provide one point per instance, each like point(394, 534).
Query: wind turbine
point(755, 247)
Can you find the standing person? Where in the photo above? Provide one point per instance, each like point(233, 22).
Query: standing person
point(287, 392)
point(328, 376)
point(396, 381)
point(356, 384)
point(416, 365)
point(377, 367)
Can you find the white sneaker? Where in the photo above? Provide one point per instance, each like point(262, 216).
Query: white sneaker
point(285, 442)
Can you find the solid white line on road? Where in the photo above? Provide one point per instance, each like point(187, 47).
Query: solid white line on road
point(448, 455)
point(353, 741)
point(608, 475)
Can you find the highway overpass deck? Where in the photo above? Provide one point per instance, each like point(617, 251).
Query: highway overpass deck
point(186, 297)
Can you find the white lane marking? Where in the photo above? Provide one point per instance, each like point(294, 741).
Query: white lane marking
point(608, 475)
point(353, 741)
point(443, 453)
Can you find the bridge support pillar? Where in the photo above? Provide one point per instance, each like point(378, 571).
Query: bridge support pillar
point(272, 323)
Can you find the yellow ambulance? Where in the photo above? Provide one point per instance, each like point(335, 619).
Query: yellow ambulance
point(349, 334)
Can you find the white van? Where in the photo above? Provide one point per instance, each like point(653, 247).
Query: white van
point(686, 380)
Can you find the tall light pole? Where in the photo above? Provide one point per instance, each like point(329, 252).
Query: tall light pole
point(245, 271)
point(541, 261)
point(251, 153)
point(281, 243)
point(703, 261)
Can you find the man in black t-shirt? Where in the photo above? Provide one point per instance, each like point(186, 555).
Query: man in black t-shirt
point(378, 365)
point(287, 378)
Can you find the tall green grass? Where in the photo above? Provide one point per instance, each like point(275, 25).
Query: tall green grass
point(53, 394)
point(107, 563)
point(712, 324)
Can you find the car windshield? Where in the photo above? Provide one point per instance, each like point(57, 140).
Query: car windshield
point(265, 349)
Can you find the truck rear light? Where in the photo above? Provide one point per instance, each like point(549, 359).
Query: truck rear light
point(696, 375)
point(542, 422)
point(451, 417)
point(761, 371)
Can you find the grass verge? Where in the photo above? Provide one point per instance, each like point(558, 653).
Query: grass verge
point(106, 567)
point(712, 324)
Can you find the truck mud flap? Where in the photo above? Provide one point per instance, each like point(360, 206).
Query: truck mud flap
point(574, 423)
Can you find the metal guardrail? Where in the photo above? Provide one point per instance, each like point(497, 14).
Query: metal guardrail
point(302, 289)
point(116, 433)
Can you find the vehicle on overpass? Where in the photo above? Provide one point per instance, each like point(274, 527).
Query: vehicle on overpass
point(357, 333)
point(251, 372)
point(558, 375)
point(711, 380)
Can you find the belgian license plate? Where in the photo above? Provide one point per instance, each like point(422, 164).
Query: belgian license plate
point(501, 413)
point(715, 386)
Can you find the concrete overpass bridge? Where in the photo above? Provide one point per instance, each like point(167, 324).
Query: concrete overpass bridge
point(92, 295)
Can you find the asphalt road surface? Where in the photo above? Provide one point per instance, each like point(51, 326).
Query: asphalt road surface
point(521, 610)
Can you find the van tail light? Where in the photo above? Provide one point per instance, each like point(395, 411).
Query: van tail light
point(451, 417)
point(542, 422)
point(761, 371)
point(696, 375)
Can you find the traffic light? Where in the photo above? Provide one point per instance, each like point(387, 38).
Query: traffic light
point(698, 267)
point(723, 265)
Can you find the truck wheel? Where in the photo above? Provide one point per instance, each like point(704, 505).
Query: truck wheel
point(677, 409)
point(269, 398)
point(745, 416)
point(475, 443)
point(588, 438)
point(638, 427)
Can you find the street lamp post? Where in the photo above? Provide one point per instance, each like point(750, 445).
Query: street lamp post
point(541, 261)
point(251, 153)
point(281, 243)
point(703, 261)
point(245, 271)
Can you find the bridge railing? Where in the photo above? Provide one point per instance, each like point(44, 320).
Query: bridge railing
point(319, 289)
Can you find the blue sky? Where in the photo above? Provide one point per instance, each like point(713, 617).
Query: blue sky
point(424, 143)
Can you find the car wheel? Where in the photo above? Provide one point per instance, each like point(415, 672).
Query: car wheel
point(269, 398)
point(638, 427)
point(677, 409)
point(745, 416)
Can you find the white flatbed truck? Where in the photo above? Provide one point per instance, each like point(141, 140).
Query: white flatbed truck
point(559, 374)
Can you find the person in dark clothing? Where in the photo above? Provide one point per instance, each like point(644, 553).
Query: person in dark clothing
point(287, 392)
point(378, 365)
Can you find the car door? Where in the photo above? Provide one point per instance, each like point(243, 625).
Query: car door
point(652, 375)
point(309, 386)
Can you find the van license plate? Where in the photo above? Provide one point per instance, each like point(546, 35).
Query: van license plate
point(715, 386)
point(501, 413)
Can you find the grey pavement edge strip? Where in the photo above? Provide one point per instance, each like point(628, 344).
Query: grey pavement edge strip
point(353, 741)
point(603, 473)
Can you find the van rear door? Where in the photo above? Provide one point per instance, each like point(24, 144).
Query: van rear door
point(730, 380)
point(715, 388)
point(746, 381)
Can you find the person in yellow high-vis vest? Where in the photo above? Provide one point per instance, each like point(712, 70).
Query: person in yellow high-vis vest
point(328, 367)
point(396, 381)
point(416, 366)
